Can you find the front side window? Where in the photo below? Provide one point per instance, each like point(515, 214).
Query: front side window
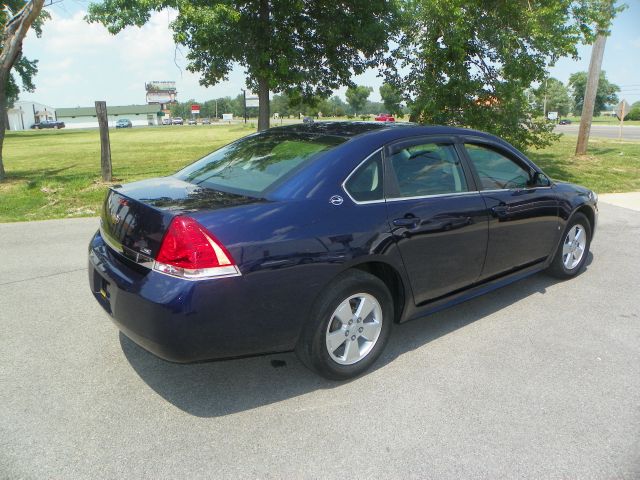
point(427, 169)
point(365, 184)
point(497, 171)
point(252, 164)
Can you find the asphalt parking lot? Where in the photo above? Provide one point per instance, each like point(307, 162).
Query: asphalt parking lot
point(540, 379)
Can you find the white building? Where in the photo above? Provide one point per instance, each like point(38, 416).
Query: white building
point(24, 114)
point(85, 117)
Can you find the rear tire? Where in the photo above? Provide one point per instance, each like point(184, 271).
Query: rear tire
point(349, 326)
point(573, 250)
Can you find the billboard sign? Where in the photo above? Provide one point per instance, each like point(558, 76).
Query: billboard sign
point(160, 86)
point(161, 97)
point(552, 115)
point(195, 109)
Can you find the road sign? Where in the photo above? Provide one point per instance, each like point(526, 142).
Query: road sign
point(622, 109)
point(195, 109)
point(552, 115)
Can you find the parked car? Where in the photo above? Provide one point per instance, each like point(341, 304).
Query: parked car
point(192, 121)
point(177, 121)
point(384, 117)
point(206, 121)
point(166, 121)
point(124, 123)
point(48, 124)
point(564, 121)
point(320, 237)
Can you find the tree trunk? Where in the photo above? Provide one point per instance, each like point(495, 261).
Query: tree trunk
point(3, 117)
point(264, 113)
point(262, 73)
point(105, 144)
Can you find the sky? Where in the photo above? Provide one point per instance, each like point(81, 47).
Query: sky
point(80, 62)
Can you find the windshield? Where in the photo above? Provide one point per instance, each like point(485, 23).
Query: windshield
point(252, 164)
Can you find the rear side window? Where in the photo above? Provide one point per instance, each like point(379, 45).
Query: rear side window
point(365, 184)
point(252, 164)
point(495, 170)
point(428, 169)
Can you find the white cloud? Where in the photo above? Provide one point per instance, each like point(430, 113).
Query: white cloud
point(81, 62)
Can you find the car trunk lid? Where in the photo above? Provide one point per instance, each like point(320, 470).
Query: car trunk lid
point(136, 216)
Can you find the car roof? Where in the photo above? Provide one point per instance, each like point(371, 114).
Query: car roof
point(390, 131)
point(338, 129)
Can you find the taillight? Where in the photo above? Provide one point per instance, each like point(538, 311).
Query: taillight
point(189, 251)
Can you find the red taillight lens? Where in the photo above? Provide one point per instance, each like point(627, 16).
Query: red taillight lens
point(188, 250)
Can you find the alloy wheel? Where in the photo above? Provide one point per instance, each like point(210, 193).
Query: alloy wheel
point(354, 329)
point(573, 247)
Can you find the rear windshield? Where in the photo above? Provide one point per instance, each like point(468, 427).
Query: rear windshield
point(253, 164)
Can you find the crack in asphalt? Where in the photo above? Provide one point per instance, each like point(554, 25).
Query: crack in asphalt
point(42, 276)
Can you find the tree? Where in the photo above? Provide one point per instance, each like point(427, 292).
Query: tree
point(309, 46)
point(634, 112)
point(16, 18)
point(469, 62)
point(554, 95)
point(336, 107)
point(357, 97)
point(280, 105)
point(391, 98)
point(606, 94)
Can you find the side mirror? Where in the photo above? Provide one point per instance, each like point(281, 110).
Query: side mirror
point(539, 180)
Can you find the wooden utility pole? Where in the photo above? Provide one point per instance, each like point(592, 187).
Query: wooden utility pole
point(593, 78)
point(105, 144)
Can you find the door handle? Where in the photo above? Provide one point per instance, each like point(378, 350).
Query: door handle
point(407, 222)
point(500, 211)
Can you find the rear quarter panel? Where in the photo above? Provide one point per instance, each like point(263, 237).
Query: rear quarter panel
point(289, 251)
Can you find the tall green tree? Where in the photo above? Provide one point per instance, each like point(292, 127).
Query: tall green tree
point(335, 107)
point(357, 97)
point(605, 95)
point(634, 112)
point(309, 46)
point(16, 18)
point(391, 98)
point(556, 96)
point(469, 62)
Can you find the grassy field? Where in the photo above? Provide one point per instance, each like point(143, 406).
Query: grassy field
point(56, 174)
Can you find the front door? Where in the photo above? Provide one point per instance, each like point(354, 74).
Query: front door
point(523, 209)
point(437, 217)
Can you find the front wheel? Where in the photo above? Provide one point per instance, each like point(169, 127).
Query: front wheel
point(349, 326)
point(573, 249)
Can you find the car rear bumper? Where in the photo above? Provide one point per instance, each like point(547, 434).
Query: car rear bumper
point(180, 320)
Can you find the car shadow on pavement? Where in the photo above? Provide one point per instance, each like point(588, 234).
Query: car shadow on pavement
point(224, 387)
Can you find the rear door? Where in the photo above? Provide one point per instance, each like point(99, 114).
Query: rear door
point(522, 205)
point(437, 217)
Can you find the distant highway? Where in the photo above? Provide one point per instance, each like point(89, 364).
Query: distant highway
point(631, 132)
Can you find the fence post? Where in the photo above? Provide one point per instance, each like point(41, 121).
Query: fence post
point(105, 145)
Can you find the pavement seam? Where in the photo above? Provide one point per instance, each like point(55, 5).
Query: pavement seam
point(42, 276)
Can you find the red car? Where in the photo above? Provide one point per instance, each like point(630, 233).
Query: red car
point(385, 117)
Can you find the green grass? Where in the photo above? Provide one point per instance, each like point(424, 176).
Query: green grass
point(56, 174)
point(610, 165)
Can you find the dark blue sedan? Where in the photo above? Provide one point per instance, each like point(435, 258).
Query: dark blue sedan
point(319, 237)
